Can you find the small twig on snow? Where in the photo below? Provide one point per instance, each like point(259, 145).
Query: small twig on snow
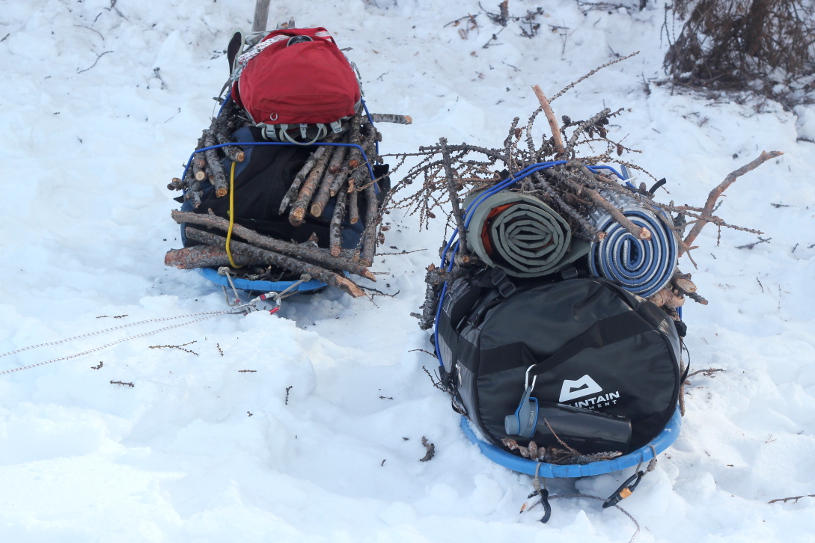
point(794, 498)
point(430, 448)
point(94, 62)
point(751, 245)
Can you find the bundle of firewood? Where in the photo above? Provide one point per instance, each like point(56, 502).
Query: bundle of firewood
point(340, 168)
point(560, 174)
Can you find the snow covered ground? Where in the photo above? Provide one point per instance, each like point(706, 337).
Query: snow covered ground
point(100, 104)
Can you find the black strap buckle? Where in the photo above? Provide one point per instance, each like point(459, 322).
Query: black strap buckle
point(499, 280)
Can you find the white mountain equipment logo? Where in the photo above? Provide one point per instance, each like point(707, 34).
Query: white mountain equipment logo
point(585, 386)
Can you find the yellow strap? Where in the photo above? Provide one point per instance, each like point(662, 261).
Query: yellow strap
point(231, 215)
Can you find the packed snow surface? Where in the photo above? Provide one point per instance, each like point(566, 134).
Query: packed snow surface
point(307, 425)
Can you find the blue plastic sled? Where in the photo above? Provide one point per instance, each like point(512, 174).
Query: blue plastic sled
point(664, 440)
point(260, 286)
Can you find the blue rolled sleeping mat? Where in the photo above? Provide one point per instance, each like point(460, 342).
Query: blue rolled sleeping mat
point(643, 267)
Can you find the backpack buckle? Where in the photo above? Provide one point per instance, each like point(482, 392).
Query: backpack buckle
point(498, 278)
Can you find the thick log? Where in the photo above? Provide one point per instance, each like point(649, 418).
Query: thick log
point(305, 252)
point(335, 228)
point(298, 209)
point(294, 189)
point(391, 118)
point(201, 256)
point(263, 256)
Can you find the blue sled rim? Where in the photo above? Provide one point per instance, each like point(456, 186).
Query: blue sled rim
point(664, 440)
point(260, 286)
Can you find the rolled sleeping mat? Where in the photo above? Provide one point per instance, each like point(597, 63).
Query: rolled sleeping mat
point(521, 234)
point(642, 267)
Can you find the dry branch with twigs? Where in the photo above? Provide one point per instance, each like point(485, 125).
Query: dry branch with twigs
point(447, 174)
point(764, 46)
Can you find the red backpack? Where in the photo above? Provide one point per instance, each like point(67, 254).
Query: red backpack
point(296, 84)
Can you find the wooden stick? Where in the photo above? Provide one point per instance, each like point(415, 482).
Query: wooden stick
point(214, 164)
point(335, 231)
point(639, 232)
point(354, 136)
point(324, 192)
point(199, 164)
point(353, 207)
point(337, 159)
point(339, 180)
point(458, 213)
point(550, 116)
point(261, 17)
point(391, 118)
point(269, 258)
point(366, 256)
point(176, 184)
point(298, 209)
point(301, 176)
point(305, 252)
point(194, 193)
point(234, 153)
point(707, 210)
point(666, 297)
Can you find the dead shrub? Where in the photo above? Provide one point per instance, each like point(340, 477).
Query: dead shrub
point(765, 46)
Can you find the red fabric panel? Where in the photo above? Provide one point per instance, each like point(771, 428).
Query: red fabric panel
point(308, 82)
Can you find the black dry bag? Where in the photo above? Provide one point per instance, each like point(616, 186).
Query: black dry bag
point(580, 361)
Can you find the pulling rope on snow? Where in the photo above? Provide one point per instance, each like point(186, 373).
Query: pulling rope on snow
point(539, 484)
point(239, 309)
